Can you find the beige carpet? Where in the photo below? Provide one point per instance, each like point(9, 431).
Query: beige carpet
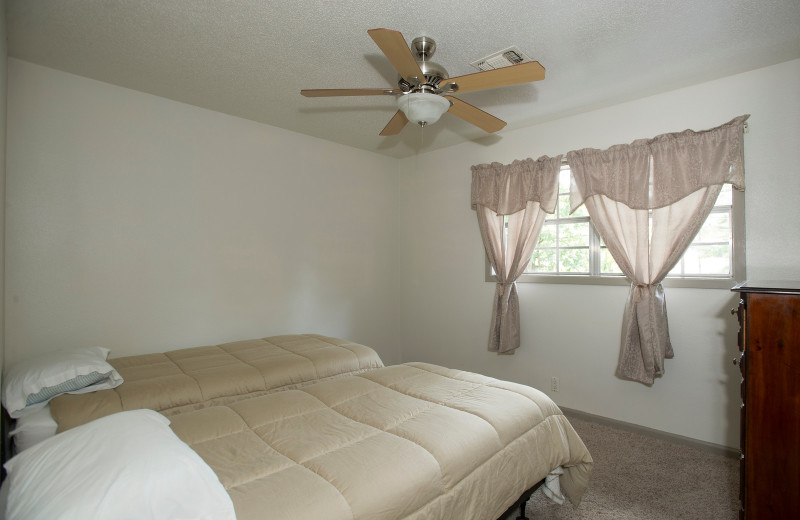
point(638, 477)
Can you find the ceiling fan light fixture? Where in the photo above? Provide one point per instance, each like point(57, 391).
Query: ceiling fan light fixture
point(423, 108)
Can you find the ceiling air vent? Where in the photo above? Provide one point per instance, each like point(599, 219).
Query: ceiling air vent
point(504, 58)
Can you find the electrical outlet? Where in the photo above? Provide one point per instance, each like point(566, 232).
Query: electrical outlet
point(554, 384)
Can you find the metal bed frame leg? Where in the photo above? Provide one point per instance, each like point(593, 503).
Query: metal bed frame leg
point(522, 502)
point(522, 510)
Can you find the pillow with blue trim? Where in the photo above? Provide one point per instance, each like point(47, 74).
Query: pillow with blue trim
point(30, 384)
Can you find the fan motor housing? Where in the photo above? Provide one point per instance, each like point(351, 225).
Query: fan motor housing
point(423, 48)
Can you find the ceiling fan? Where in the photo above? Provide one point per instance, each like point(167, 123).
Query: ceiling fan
point(424, 90)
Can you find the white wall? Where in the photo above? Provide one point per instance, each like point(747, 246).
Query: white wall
point(143, 225)
point(571, 331)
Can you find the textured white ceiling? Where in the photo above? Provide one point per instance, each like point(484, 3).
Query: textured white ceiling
point(251, 58)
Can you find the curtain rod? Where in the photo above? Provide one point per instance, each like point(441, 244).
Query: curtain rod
point(745, 127)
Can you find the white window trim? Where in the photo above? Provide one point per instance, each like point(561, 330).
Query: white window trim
point(696, 282)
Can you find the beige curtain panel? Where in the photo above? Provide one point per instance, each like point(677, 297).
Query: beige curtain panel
point(524, 191)
point(648, 200)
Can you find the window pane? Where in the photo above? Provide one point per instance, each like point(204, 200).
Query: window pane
point(543, 261)
point(574, 261)
point(563, 206)
point(580, 212)
point(717, 228)
point(607, 263)
point(563, 209)
point(725, 196)
point(547, 238)
point(571, 235)
point(707, 259)
point(564, 179)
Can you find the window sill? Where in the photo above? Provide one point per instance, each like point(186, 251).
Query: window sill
point(687, 283)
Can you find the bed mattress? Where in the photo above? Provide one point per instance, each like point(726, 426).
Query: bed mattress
point(413, 441)
point(193, 378)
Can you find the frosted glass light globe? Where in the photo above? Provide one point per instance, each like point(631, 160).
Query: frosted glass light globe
point(423, 108)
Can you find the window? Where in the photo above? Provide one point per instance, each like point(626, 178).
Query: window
point(570, 250)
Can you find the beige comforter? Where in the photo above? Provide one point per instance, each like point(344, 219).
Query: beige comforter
point(194, 378)
point(413, 441)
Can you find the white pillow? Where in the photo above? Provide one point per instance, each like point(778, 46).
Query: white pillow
point(29, 384)
point(33, 429)
point(129, 465)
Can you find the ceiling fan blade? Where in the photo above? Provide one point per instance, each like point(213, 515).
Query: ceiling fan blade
point(395, 124)
point(329, 92)
point(396, 49)
point(502, 77)
point(475, 115)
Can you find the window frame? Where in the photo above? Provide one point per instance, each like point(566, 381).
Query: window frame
point(738, 262)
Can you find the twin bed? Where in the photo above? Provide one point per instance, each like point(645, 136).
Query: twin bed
point(308, 426)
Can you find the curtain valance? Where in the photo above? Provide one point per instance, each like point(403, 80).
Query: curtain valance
point(507, 188)
point(681, 163)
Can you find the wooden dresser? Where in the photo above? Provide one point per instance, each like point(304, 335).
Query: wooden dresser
point(769, 341)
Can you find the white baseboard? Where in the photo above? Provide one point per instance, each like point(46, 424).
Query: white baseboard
point(710, 447)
